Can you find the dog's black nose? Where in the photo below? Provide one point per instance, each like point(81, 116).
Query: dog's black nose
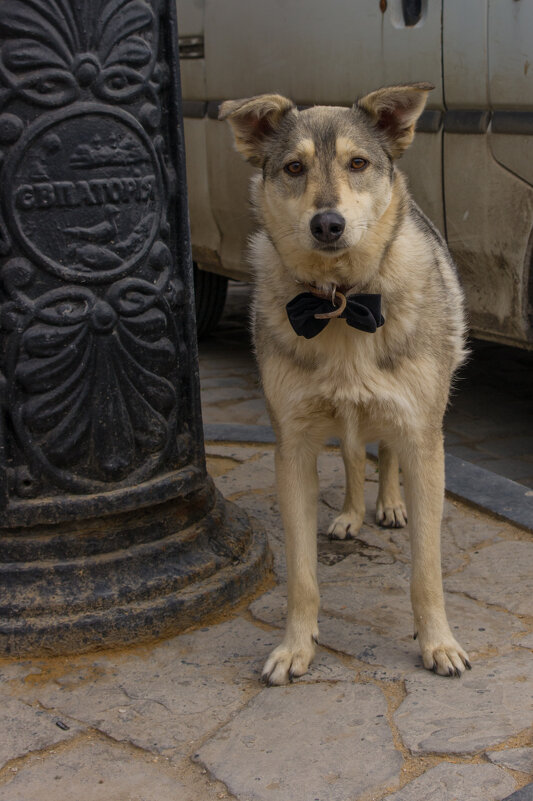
point(327, 226)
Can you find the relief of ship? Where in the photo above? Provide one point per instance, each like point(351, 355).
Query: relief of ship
point(121, 152)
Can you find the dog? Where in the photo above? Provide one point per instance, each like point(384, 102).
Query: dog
point(358, 327)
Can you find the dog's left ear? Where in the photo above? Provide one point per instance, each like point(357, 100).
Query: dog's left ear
point(253, 121)
point(394, 110)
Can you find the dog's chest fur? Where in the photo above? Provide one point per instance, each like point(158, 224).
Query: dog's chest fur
point(395, 374)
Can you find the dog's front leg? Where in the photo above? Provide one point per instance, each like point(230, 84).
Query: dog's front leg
point(423, 468)
point(297, 481)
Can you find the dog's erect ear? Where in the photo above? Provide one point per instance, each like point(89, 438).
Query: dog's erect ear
point(253, 121)
point(394, 110)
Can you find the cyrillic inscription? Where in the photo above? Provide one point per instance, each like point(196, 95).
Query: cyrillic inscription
point(85, 193)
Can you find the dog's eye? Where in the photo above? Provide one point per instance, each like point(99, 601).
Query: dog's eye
point(294, 168)
point(358, 164)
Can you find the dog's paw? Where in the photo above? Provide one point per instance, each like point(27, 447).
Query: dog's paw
point(391, 514)
point(287, 662)
point(446, 657)
point(345, 526)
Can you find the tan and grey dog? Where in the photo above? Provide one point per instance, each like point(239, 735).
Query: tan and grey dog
point(339, 236)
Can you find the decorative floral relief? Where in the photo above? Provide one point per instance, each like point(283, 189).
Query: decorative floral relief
point(91, 370)
point(56, 48)
point(90, 356)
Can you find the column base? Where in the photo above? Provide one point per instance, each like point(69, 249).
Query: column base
point(150, 589)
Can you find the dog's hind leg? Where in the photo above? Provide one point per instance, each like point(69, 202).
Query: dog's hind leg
point(297, 481)
point(348, 523)
point(422, 463)
point(390, 508)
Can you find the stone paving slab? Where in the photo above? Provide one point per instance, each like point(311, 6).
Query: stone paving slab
point(396, 655)
point(524, 794)
point(464, 427)
point(515, 469)
point(374, 625)
point(525, 642)
point(515, 758)
point(491, 492)
point(455, 536)
point(448, 782)
point(219, 393)
point(508, 446)
point(306, 743)
point(255, 474)
point(180, 691)
point(389, 611)
point(219, 381)
point(93, 771)
point(155, 706)
point(27, 728)
point(239, 453)
point(501, 574)
point(187, 687)
point(470, 453)
point(485, 707)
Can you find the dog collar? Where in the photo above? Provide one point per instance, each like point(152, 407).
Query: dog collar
point(310, 311)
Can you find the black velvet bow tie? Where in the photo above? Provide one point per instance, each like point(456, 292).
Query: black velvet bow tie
point(360, 311)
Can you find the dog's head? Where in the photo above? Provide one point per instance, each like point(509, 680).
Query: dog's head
point(327, 172)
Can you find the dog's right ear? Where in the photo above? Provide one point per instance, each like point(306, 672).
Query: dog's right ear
point(394, 111)
point(253, 121)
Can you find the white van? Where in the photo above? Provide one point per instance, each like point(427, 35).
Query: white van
point(470, 167)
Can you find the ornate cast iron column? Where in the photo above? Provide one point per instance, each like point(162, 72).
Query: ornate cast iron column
point(110, 529)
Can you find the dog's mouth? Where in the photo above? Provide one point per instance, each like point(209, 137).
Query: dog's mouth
point(337, 247)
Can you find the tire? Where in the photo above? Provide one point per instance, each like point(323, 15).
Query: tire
point(209, 296)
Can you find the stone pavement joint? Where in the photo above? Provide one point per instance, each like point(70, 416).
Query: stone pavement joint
point(187, 719)
point(450, 781)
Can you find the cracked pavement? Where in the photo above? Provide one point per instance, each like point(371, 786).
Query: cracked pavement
point(186, 719)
